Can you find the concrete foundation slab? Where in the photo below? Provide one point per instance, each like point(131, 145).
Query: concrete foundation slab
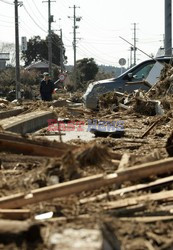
point(27, 123)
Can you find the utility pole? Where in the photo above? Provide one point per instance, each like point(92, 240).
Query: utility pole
point(17, 68)
point(74, 34)
point(134, 46)
point(50, 20)
point(168, 28)
point(75, 19)
point(49, 39)
point(61, 52)
point(131, 49)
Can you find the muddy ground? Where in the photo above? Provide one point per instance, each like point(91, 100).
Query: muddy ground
point(23, 173)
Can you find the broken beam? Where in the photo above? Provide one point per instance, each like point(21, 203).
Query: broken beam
point(161, 181)
point(164, 195)
point(87, 184)
point(15, 214)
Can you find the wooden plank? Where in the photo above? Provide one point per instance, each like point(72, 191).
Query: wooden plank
point(48, 134)
point(87, 184)
point(15, 214)
point(125, 190)
point(149, 219)
point(115, 162)
point(129, 211)
point(115, 155)
point(17, 138)
point(58, 190)
point(17, 144)
point(30, 149)
point(150, 128)
point(164, 195)
point(124, 161)
point(10, 171)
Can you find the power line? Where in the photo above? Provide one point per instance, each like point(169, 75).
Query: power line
point(96, 58)
point(33, 10)
point(34, 20)
point(95, 55)
point(26, 28)
point(94, 50)
point(6, 2)
point(39, 11)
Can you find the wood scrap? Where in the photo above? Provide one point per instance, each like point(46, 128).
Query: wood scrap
point(30, 149)
point(122, 191)
point(148, 219)
point(15, 214)
point(115, 163)
point(124, 161)
point(87, 184)
point(16, 144)
point(26, 139)
point(150, 128)
point(164, 195)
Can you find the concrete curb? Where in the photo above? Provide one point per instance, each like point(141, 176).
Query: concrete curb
point(27, 123)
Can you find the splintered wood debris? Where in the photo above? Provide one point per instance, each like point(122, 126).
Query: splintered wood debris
point(108, 193)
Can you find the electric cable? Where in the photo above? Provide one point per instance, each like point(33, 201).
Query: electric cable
point(34, 20)
point(4, 1)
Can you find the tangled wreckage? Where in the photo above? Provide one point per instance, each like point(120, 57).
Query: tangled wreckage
point(112, 190)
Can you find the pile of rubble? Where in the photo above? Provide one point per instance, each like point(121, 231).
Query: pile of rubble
point(88, 189)
point(114, 192)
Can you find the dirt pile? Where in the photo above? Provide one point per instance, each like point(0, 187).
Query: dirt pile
point(164, 86)
point(108, 100)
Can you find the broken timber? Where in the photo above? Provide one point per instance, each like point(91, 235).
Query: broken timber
point(150, 128)
point(164, 195)
point(149, 219)
point(87, 184)
point(125, 190)
point(15, 214)
point(19, 145)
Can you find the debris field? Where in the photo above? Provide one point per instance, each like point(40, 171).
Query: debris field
point(111, 192)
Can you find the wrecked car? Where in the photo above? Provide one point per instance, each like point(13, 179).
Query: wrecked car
point(142, 76)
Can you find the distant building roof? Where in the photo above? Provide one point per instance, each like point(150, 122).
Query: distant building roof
point(40, 65)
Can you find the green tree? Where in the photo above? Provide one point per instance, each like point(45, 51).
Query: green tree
point(37, 49)
point(86, 69)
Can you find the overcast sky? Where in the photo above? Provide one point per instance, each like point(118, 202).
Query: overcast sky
point(103, 21)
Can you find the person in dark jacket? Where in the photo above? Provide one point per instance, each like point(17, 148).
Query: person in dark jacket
point(46, 88)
